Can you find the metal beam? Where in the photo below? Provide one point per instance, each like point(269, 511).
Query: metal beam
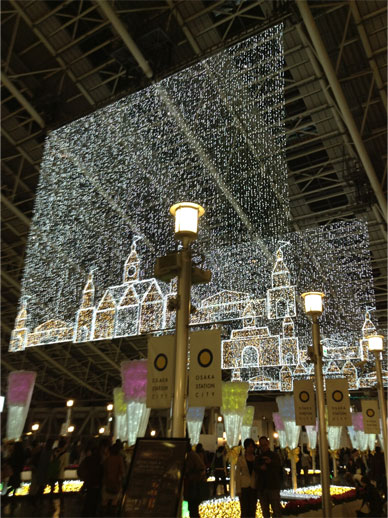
point(186, 31)
point(102, 355)
point(22, 100)
point(69, 374)
point(10, 281)
point(110, 14)
point(17, 212)
point(342, 103)
point(19, 8)
point(368, 51)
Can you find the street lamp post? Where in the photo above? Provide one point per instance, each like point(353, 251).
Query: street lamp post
point(375, 345)
point(69, 404)
point(314, 307)
point(186, 230)
point(109, 408)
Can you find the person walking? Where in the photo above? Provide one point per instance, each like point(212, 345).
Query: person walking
point(112, 485)
point(218, 467)
point(246, 480)
point(194, 480)
point(269, 477)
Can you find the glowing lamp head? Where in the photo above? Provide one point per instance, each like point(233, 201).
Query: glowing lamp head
point(219, 418)
point(313, 302)
point(35, 427)
point(109, 407)
point(69, 403)
point(276, 435)
point(71, 429)
point(375, 343)
point(101, 430)
point(153, 433)
point(186, 216)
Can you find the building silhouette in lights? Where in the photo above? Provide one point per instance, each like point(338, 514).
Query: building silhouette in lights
point(268, 360)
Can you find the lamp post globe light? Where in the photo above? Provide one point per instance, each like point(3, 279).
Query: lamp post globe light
point(186, 216)
point(313, 306)
point(376, 345)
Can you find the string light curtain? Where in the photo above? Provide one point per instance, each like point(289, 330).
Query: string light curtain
point(194, 423)
point(234, 396)
point(312, 435)
point(120, 413)
point(334, 434)
point(19, 393)
point(287, 412)
point(246, 427)
point(134, 383)
point(279, 425)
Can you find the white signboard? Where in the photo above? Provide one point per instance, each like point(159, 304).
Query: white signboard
point(160, 377)
point(370, 416)
point(304, 401)
point(338, 404)
point(205, 368)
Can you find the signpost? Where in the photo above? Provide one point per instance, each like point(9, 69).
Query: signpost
point(304, 402)
point(154, 483)
point(160, 374)
point(338, 404)
point(205, 369)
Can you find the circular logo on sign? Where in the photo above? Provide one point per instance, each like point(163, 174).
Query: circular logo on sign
point(304, 396)
point(205, 357)
point(160, 362)
point(370, 412)
point(337, 396)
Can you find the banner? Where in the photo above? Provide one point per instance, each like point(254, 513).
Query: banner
point(338, 404)
point(304, 402)
point(370, 415)
point(160, 376)
point(205, 368)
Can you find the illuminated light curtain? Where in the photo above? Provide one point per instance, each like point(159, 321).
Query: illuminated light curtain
point(381, 440)
point(353, 437)
point(234, 396)
point(246, 427)
point(287, 413)
point(19, 393)
point(334, 434)
point(279, 425)
point(311, 431)
point(362, 440)
point(134, 381)
point(358, 426)
point(371, 441)
point(194, 422)
point(120, 413)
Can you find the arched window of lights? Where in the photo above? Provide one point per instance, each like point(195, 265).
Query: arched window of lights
point(250, 357)
point(281, 308)
point(289, 359)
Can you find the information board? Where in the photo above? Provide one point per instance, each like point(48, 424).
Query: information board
point(154, 482)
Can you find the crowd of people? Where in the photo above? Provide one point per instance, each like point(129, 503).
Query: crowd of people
point(102, 466)
point(261, 473)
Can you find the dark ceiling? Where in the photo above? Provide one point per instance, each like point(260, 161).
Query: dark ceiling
point(63, 59)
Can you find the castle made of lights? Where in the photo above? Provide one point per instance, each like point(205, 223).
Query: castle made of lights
point(268, 359)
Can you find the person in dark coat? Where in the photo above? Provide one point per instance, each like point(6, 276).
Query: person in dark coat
point(194, 480)
point(90, 471)
point(371, 500)
point(269, 478)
